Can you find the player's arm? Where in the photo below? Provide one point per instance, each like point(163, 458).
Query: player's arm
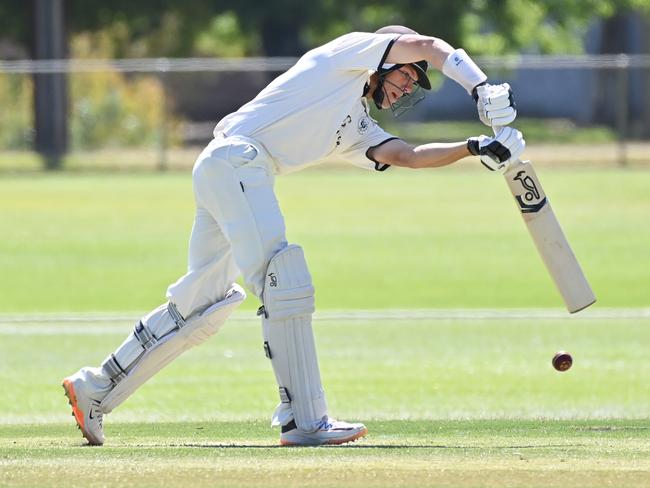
point(410, 48)
point(495, 152)
point(495, 103)
point(396, 152)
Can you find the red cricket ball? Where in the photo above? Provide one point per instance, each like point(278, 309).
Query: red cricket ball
point(562, 361)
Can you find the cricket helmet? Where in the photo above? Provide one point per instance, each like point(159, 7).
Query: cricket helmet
point(408, 100)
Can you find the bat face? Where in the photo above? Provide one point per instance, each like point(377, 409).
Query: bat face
point(548, 236)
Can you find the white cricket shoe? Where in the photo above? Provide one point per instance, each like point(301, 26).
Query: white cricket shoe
point(329, 431)
point(85, 409)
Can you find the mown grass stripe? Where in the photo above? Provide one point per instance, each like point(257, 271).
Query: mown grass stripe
point(381, 314)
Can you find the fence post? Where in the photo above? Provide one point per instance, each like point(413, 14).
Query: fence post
point(622, 110)
point(163, 66)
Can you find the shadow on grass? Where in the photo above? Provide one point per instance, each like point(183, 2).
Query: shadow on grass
point(361, 446)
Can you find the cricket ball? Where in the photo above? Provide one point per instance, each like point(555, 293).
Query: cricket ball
point(562, 361)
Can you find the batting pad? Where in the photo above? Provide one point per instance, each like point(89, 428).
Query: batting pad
point(157, 340)
point(289, 341)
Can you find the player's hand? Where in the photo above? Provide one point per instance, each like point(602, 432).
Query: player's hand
point(499, 151)
point(495, 104)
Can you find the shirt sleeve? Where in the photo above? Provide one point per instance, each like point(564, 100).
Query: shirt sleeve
point(360, 50)
point(357, 153)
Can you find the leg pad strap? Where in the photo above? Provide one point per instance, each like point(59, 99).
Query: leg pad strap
point(289, 340)
point(157, 340)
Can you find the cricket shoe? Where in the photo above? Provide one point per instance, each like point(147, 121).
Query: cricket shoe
point(85, 409)
point(329, 431)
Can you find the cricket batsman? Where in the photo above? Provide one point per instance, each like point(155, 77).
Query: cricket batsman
point(317, 111)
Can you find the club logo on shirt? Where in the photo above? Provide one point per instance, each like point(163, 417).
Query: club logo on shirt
point(363, 125)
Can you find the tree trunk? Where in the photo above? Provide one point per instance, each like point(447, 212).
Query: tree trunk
point(50, 89)
point(645, 125)
point(613, 41)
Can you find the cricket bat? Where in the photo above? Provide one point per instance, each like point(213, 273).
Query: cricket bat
point(548, 236)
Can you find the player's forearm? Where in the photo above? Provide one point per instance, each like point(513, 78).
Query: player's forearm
point(454, 63)
point(436, 154)
point(411, 48)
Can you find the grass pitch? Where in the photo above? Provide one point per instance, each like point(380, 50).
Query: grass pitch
point(485, 453)
point(448, 402)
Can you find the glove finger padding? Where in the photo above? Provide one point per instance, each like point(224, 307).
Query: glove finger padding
point(500, 113)
point(495, 104)
point(502, 117)
point(498, 103)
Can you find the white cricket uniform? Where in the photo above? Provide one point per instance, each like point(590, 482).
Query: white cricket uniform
point(313, 113)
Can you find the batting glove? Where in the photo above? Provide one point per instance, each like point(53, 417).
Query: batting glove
point(495, 104)
point(499, 151)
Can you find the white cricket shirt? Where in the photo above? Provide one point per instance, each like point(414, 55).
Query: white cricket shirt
point(315, 111)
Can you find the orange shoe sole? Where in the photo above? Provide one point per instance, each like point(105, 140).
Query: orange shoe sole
point(72, 400)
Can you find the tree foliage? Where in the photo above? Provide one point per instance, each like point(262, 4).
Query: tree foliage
point(110, 108)
point(16, 120)
point(175, 28)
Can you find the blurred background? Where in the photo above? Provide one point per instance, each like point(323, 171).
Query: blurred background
point(140, 85)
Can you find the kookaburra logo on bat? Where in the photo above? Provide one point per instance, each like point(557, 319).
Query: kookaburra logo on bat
point(529, 201)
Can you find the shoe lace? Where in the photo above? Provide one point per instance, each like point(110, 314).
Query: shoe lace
point(325, 423)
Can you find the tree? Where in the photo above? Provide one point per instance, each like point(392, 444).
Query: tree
point(288, 27)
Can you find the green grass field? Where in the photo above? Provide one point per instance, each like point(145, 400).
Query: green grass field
point(448, 403)
point(402, 454)
point(401, 239)
point(405, 264)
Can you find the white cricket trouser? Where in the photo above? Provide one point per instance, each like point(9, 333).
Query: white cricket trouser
point(238, 229)
point(238, 225)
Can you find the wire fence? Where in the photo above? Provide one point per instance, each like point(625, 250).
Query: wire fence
point(166, 104)
point(161, 65)
point(147, 65)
